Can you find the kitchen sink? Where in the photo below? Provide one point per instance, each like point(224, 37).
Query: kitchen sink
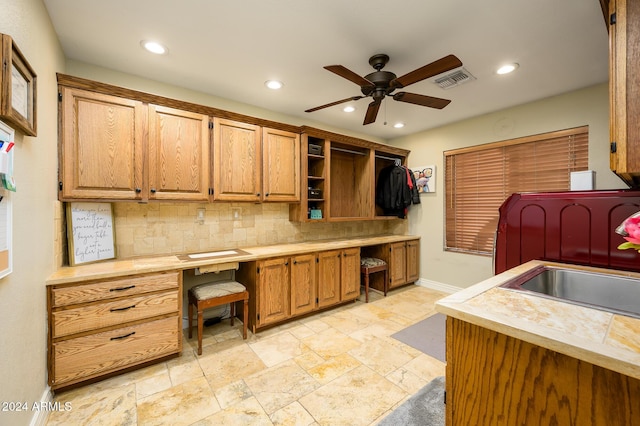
point(613, 293)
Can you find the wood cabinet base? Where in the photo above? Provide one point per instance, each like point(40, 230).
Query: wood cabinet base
point(493, 379)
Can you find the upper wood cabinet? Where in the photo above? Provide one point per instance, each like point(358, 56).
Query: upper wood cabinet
point(281, 165)
point(114, 148)
point(101, 146)
point(624, 90)
point(178, 155)
point(252, 163)
point(237, 157)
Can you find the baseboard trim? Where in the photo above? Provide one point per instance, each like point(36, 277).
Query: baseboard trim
point(40, 416)
point(435, 285)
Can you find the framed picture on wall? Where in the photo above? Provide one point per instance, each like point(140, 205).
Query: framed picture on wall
point(425, 178)
point(90, 232)
point(17, 88)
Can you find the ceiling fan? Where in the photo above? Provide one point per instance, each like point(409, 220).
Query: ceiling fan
point(380, 83)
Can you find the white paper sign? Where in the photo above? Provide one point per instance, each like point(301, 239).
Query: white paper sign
point(91, 234)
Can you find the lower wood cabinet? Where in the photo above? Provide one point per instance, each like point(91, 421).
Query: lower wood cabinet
point(303, 284)
point(403, 261)
point(495, 379)
point(100, 327)
point(285, 287)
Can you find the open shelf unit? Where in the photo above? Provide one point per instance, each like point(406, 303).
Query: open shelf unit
point(339, 176)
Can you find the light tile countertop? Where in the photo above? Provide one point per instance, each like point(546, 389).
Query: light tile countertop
point(142, 265)
point(596, 336)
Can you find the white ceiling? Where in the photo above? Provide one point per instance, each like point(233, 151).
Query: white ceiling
point(230, 48)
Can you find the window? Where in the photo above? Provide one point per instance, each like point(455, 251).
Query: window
point(479, 178)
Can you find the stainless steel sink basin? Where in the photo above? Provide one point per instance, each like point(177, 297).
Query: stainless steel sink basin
point(612, 293)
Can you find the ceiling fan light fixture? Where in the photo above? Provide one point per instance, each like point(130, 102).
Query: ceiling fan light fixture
point(154, 47)
point(349, 108)
point(273, 84)
point(398, 125)
point(507, 68)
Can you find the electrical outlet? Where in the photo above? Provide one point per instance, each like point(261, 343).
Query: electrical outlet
point(236, 213)
point(200, 215)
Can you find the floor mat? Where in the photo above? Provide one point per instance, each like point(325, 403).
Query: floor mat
point(425, 408)
point(427, 336)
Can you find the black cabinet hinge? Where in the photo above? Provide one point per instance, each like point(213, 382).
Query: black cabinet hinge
point(614, 147)
point(445, 397)
point(60, 186)
point(258, 270)
point(258, 317)
point(612, 19)
point(317, 300)
point(59, 96)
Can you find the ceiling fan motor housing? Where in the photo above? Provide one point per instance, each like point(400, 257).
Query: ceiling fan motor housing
point(381, 80)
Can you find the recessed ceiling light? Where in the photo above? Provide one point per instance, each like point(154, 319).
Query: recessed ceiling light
point(506, 69)
point(398, 125)
point(349, 108)
point(273, 84)
point(154, 47)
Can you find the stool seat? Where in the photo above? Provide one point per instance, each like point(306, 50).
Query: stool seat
point(211, 290)
point(371, 262)
point(213, 294)
point(370, 265)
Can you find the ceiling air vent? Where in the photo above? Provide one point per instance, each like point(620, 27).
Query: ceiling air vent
point(454, 78)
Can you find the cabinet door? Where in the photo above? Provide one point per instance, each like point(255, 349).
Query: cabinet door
point(178, 155)
point(237, 158)
point(329, 277)
point(413, 261)
point(281, 165)
point(102, 145)
point(273, 288)
point(350, 274)
point(624, 88)
point(397, 264)
point(303, 284)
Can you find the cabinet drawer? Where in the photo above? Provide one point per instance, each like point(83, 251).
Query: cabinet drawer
point(89, 356)
point(95, 316)
point(82, 293)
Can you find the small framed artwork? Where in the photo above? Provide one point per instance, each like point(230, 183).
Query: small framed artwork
point(90, 232)
point(425, 178)
point(17, 88)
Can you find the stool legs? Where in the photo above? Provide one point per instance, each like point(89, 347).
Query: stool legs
point(200, 327)
point(366, 287)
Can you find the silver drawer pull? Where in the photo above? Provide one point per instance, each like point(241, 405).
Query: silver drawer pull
point(122, 309)
point(123, 337)
point(123, 288)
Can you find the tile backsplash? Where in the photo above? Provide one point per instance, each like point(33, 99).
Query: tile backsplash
point(172, 228)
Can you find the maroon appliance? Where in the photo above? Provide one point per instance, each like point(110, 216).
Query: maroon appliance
point(576, 227)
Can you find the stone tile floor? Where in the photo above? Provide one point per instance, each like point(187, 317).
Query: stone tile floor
point(338, 367)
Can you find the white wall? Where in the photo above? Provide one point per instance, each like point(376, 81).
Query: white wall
point(23, 309)
point(588, 106)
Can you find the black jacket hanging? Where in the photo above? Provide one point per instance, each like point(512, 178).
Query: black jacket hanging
point(396, 190)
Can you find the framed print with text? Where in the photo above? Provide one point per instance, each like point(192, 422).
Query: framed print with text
point(17, 88)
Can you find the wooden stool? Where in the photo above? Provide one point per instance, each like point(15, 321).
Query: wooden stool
point(370, 265)
point(208, 295)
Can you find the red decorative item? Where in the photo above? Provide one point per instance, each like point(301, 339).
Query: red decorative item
point(577, 227)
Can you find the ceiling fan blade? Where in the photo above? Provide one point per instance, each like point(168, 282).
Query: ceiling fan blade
point(428, 101)
point(434, 68)
point(372, 112)
point(349, 75)
point(353, 98)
